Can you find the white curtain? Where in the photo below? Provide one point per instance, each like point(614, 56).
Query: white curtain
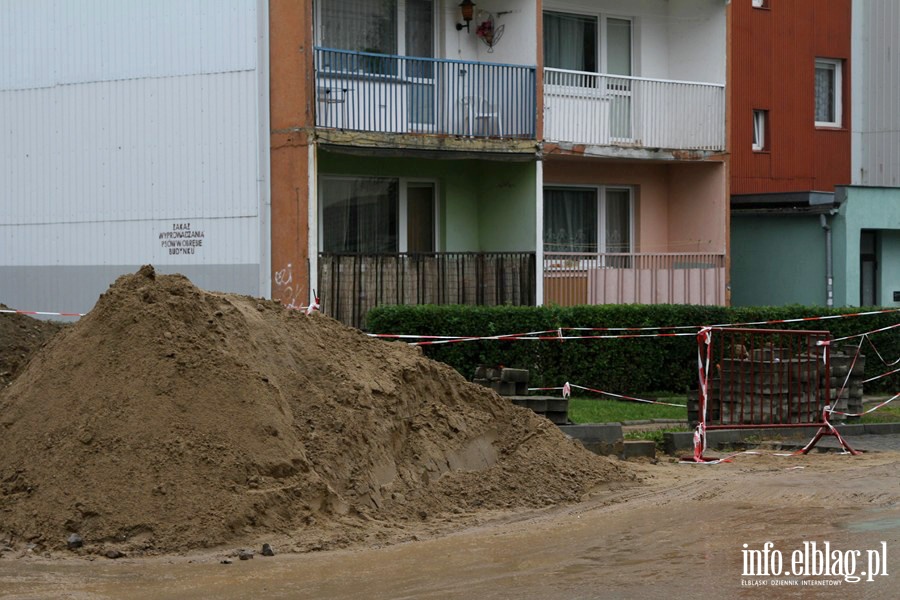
point(825, 93)
point(570, 42)
point(570, 220)
point(361, 25)
point(618, 220)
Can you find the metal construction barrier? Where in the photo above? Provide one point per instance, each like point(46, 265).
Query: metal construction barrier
point(752, 378)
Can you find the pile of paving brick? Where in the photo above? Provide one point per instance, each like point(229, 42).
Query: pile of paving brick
point(846, 392)
point(771, 386)
point(513, 385)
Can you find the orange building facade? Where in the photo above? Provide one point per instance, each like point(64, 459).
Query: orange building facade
point(789, 82)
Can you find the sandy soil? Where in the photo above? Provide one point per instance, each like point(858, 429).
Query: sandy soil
point(679, 533)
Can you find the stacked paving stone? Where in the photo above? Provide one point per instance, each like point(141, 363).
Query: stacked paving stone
point(513, 384)
point(850, 399)
point(770, 386)
point(765, 386)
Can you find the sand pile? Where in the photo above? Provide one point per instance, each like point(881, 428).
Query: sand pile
point(20, 337)
point(170, 418)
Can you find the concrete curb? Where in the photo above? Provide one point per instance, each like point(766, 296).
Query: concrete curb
point(600, 438)
point(678, 442)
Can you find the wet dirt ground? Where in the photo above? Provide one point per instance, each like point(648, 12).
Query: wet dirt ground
point(679, 533)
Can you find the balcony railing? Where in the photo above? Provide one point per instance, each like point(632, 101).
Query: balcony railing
point(612, 110)
point(351, 284)
point(572, 278)
point(362, 91)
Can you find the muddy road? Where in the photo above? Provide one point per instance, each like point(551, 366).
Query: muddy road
point(679, 533)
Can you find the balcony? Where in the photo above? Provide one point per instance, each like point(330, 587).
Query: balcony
point(351, 284)
point(611, 110)
point(361, 91)
point(572, 278)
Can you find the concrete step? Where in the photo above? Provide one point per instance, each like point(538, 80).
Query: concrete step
point(639, 449)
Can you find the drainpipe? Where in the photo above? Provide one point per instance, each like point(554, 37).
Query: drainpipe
point(829, 265)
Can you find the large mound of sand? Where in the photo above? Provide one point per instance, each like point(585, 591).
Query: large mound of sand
point(20, 337)
point(170, 418)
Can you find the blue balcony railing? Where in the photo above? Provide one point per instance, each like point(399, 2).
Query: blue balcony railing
point(362, 91)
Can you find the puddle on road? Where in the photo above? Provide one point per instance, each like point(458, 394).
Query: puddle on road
point(872, 525)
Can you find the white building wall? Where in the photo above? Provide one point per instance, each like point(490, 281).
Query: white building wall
point(133, 137)
point(517, 46)
point(875, 93)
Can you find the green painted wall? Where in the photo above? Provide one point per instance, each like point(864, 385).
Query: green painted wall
point(780, 259)
point(877, 209)
point(507, 207)
point(484, 206)
point(889, 273)
point(777, 260)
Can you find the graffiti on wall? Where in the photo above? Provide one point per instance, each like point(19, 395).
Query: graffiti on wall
point(288, 291)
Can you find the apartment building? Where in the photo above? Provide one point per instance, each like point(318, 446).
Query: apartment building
point(389, 151)
point(634, 168)
point(554, 152)
point(815, 153)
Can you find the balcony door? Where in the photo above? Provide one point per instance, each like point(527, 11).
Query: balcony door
point(377, 215)
point(392, 93)
point(596, 50)
point(868, 268)
point(420, 74)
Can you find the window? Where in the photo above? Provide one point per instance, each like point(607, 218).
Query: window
point(760, 118)
point(570, 42)
point(374, 26)
point(587, 219)
point(588, 43)
point(828, 92)
point(363, 25)
point(376, 215)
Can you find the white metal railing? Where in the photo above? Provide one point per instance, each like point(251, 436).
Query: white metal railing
point(600, 109)
point(572, 278)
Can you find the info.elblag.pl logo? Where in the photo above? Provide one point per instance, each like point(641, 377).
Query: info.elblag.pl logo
point(807, 565)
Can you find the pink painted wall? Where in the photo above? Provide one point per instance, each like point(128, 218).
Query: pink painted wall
point(697, 207)
point(678, 207)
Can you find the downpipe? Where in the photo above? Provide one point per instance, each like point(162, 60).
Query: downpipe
point(829, 265)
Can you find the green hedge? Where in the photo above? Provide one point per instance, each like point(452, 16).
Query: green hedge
point(621, 365)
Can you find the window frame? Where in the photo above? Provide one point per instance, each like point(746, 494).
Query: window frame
point(600, 22)
point(836, 65)
point(403, 184)
point(399, 23)
point(600, 198)
point(760, 127)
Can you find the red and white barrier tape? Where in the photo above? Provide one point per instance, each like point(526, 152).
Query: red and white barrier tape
point(568, 387)
point(878, 354)
point(559, 336)
point(524, 337)
point(880, 376)
point(871, 410)
point(818, 318)
point(867, 333)
point(704, 339)
point(40, 313)
point(458, 338)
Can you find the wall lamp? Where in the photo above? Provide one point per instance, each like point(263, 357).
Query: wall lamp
point(468, 10)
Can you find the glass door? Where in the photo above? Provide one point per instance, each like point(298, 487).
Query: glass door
point(420, 74)
point(868, 268)
point(618, 62)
